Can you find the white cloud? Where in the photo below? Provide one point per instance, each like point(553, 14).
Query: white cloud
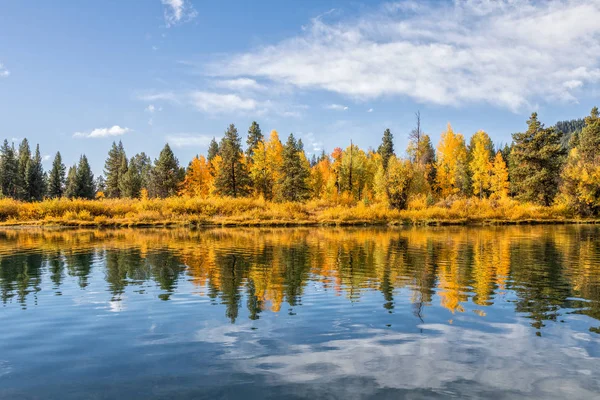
point(507, 359)
point(161, 96)
point(4, 73)
point(150, 108)
point(573, 84)
point(370, 110)
point(217, 103)
point(336, 107)
point(240, 84)
point(509, 53)
point(46, 157)
point(115, 130)
point(178, 12)
point(189, 140)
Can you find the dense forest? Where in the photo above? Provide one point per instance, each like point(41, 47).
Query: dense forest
point(538, 167)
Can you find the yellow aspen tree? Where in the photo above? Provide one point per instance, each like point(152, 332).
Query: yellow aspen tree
point(274, 160)
point(480, 164)
point(451, 160)
point(260, 172)
point(215, 166)
point(374, 160)
point(380, 185)
point(198, 179)
point(499, 177)
point(353, 172)
point(399, 175)
point(336, 167)
point(320, 175)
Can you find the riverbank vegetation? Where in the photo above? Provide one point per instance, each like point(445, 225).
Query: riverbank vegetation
point(547, 174)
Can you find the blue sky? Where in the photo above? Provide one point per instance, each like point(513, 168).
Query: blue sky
point(74, 76)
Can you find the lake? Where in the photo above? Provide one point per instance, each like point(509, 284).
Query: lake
point(482, 312)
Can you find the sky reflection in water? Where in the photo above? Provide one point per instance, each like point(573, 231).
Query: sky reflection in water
point(507, 312)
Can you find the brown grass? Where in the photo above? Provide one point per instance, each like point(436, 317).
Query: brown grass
point(255, 212)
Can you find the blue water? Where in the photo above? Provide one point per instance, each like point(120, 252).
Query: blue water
point(507, 312)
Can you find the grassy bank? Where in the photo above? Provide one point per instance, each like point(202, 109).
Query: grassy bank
point(257, 212)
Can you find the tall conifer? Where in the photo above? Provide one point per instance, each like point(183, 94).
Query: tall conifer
point(232, 178)
point(537, 157)
point(56, 180)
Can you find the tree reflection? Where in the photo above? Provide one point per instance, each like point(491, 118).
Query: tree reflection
point(548, 270)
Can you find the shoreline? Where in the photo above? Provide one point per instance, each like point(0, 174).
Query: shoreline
point(290, 224)
point(252, 212)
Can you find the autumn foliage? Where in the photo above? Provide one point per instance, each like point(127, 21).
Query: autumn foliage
point(349, 185)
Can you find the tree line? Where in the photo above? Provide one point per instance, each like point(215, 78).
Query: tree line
point(538, 167)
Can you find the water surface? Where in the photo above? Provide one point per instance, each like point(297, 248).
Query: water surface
point(506, 312)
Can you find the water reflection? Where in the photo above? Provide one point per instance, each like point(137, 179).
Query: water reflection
point(544, 272)
point(505, 312)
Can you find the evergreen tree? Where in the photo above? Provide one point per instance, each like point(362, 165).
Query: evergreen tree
point(166, 174)
point(386, 148)
point(589, 138)
point(580, 189)
point(35, 180)
point(143, 164)
point(570, 130)
point(56, 180)
point(114, 167)
point(254, 137)
point(537, 158)
point(9, 181)
point(294, 173)
point(84, 180)
point(213, 150)
point(23, 160)
point(71, 184)
point(131, 181)
point(232, 178)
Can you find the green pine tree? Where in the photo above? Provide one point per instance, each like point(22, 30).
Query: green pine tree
point(35, 179)
point(213, 150)
point(8, 170)
point(143, 164)
point(536, 160)
point(71, 183)
point(84, 179)
point(386, 148)
point(114, 167)
point(131, 181)
point(232, 178)
point(254, 137)
point(56, 180)
point(166, 174)
point(589, 138)
point(23, 160)
point(294, 172)
point(580, 188)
